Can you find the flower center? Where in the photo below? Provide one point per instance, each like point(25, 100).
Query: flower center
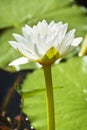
point(50, 57)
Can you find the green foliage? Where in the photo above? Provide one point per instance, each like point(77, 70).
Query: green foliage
point(70, 95)
point(16, 12)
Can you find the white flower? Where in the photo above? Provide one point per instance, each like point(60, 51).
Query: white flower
point(45, 43)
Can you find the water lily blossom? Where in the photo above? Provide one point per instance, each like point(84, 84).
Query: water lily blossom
point(45, 43)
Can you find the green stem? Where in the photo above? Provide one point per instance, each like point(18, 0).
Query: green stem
point(50, 100)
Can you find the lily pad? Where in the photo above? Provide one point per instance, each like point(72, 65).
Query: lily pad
point(12, 13)
point(70, 95)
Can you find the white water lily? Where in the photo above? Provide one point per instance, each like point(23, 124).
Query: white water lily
point(45, 43)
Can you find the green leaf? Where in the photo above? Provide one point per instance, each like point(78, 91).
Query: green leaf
point(70, 95)
point(12, 13)
point(15, 12)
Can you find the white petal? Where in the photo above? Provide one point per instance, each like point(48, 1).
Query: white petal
point(43, 28)
point(57, 34)
point(26, 44)
point(19, 61)
point(29, 31)
point(44, 22)
point(27, 28)
point(56, 27)
point(60, 36)
point(42, 44)
point(51, 24)
point(19, 38)
point(35, 29)
point(29, 41)
point(51, 36)
point(64, 29)
point(14, 44)
point(76, 41)
point(35, 34)
point(38, 50)
point(28, 54)
point(67, 41)
point(69, 37)
point(26, 32)
point(67, 50)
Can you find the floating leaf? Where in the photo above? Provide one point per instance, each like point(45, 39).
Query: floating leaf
point(12, 13)
point(70, 95)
